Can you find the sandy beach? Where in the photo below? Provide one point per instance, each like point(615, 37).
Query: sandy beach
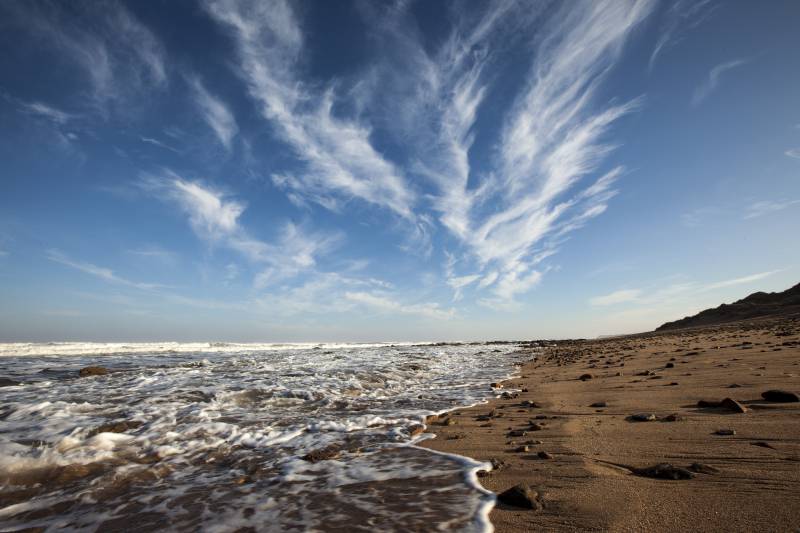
point(567, 429)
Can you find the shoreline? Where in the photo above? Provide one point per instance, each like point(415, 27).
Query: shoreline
point(587, 477)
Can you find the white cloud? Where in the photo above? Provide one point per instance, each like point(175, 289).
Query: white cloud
point(156, 142)
point(793, 152)
point(117, 52)
point(709, 85)
point(99, 272)
point(621, 296)
point(738, 281)
point(766, 207)
point(680, 17)
point(50, 113)
point(383, 303)
point(340, 160)
point(215, 113)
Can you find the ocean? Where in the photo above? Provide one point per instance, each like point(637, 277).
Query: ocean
point(240, 437)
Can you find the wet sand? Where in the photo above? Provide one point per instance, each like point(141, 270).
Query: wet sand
point(587, 479)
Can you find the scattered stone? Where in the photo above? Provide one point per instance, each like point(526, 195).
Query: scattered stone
point(664, 471)
point(521, 496)
point(535, 427)
point(599, 404)
point(725, 432)
point(496, 385)
point(517, 433)
point(732, 405)
point(734, 386)
point(5, 382)
point(642, 417)
point(322, 454)
point(763, 445)
point(672, 418)
point(585, 377)
point(116, 427)
point(415, 430)
point(93, 371)
point(669, 365)
point(522, 449)
point(497, 464)
point(700, 468)
point(782, 396)
point(533, 442)
point(545, 455)
point(530, 404)
point(509, 395)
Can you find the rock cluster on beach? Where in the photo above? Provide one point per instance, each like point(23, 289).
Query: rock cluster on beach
point(698, 418)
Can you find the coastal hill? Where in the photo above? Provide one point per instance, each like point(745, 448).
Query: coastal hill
point(758, 304)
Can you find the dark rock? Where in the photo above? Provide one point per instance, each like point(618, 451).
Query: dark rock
point(708, 403)
point(669, 365)
point(415, 430)
point(496, 385)
point(93, 371)
point(763, 445)
point(725, 432)
point(535, 427)
point(700, 468)
point(585, 377)
point(517, 433)
point(734, 386)
point(545, 455)
point(672, 418)
point(783, 396)
point(520, 496)
point(116, 427)
point(599, 404)
point(5, 382)
point(509, 395)
point(530, 404)
point(732, 405)
point(322, 454)
point(664, 471)
point(642, 417)
point(522, 449)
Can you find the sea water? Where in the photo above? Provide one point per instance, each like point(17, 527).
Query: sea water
point(211, 437)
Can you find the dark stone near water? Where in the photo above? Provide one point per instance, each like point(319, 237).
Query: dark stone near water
point(509, 395)
point(116, 427)
point(5, 382)
point(322, 454)
point(700, 468)
point(585, 377)
point(496, 385)
point(93, 371)
point(732, 405)
point(664, 471)
point(530, 404)
point(520, 496)
point(782, 396)
point(416, 430)
point(599, 404)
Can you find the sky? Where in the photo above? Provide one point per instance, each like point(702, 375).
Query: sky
point(287, 171)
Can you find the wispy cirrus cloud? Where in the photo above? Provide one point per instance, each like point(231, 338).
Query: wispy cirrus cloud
point(766, 207)
point(661, 296)
point(215, 113)
point(381, 302)
point(214, 217)
point(551, 139)
point(712, 82)
point(48, 112)
point(103, 273)
point(340, 159)
point(117, 53)
point(679, 18)
point(616, 297)
point(793, 153)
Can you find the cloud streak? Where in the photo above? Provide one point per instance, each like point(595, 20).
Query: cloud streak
point(215, 113)
point(341, 161)
point(712, 82)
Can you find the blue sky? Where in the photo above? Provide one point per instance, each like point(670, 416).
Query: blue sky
point(310, 171)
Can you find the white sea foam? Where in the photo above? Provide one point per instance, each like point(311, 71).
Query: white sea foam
point(213, 436)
